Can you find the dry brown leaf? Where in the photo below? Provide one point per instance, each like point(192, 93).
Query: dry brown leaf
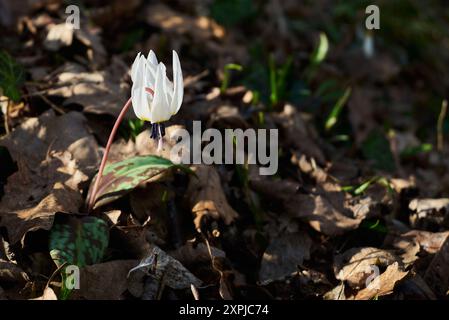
point(59, 35)
point(99, 92)
point(165, 269)
point(226, 116)
point(143, 145)
point(55, 155)
point(409, 244)
point(331, 212)
point(387, 280)
point(354, 265)
point(298, 134)
point(207, 198)
point(190, 254)
point(48, 294)
point(210, 37)
point(430, 242)
point(337, 293)
point(201, 28)
point(429, 212)
point(21, 221)
point(283, 255)
point(436, 274)
point(104, 281)
point(361, 105)
point(11, 272)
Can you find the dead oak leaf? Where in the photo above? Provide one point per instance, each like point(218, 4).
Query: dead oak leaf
point(386, 283)
point(206, 196)
point(54, 156)
point(355, 265)
point(19, 222)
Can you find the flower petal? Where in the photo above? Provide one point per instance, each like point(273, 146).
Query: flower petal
point(178, 85)
point(159, 108)
point(134, 67)
point(140, 98)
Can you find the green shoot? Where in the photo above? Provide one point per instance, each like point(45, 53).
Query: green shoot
point(227, 75)
point(318, 56)
point(336, 110)
point(278, 79)
point(12, 76)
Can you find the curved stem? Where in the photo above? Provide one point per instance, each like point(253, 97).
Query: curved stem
point(93, 195)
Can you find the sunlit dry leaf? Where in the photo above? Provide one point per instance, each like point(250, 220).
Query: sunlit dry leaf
point(329, 212)
point(48, 294)
point(429, 212)
point(337, 293)
point(55, 155)
point(354, 265)
point(99, 92)
point(283, 256)
point(207, 198)
point(59, 35)
point(387, 280)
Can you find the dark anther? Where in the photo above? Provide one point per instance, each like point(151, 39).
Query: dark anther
point(154, 131)
point(155, 128)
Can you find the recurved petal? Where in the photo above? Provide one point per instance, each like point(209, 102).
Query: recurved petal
point(178, 85)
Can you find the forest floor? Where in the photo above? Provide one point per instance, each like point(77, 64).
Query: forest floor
point(359, 205)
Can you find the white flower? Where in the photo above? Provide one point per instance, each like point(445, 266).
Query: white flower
point(154, 97)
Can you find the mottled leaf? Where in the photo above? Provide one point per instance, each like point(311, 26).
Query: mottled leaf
point(78, 241)
point(121, 177)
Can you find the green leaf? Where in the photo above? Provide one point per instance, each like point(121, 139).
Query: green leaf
point(11, 76)
point(78, 241)
point(121, 177)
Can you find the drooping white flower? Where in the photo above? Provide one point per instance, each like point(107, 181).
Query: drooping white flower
point(154, 97)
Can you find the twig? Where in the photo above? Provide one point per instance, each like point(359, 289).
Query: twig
point(93, 195)
point(440, 137)
point(52, 105)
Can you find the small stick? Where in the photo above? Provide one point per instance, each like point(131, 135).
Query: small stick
point(440, 137)
point(51, 104)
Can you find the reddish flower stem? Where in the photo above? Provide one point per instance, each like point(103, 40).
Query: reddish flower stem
point(93, 195)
